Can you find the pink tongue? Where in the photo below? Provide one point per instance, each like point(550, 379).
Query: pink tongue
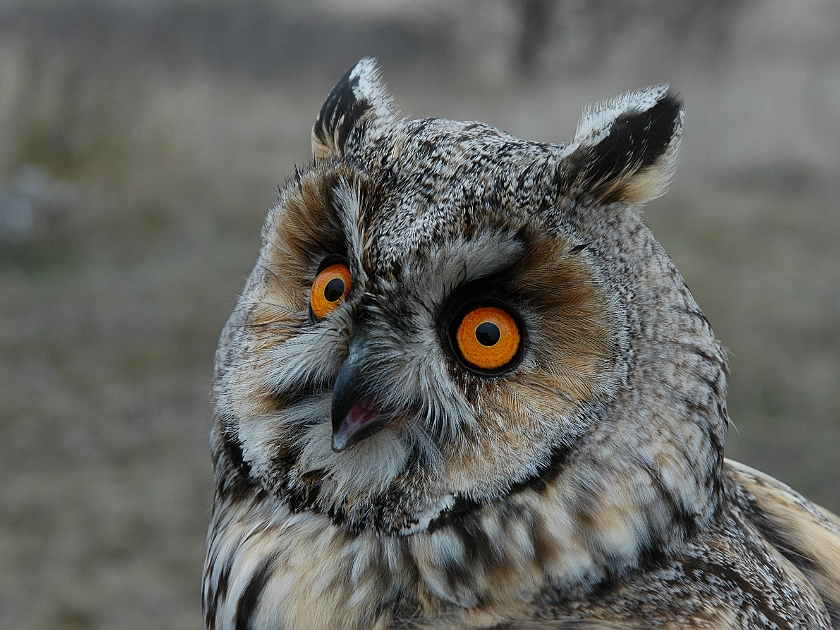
point(361, 413)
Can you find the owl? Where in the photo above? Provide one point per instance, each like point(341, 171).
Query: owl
point(465, 387)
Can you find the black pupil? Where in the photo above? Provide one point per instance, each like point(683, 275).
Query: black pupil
point(334, 290)
point(487, 334)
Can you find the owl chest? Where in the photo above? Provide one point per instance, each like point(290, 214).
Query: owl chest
point(298, 573)
point(304, 572)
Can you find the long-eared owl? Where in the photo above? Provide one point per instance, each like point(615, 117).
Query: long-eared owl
point(465, 387)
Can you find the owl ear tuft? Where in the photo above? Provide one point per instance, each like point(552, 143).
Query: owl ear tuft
point(357, 109)
point(625, 148)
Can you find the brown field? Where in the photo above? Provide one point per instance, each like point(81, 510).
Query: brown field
point(141, 144)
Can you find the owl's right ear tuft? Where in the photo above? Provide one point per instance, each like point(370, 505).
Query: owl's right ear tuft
point(357, 109)
point(625, 149)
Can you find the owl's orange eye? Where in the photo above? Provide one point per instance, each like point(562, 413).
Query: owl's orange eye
point(488, 338)
point(331, 286)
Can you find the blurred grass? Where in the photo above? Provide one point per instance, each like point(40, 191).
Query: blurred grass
point(163, 132)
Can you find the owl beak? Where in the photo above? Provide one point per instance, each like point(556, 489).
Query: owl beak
point(354, 418)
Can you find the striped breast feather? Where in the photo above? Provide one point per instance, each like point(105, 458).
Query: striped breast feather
point(447, 623)
point(807, 535)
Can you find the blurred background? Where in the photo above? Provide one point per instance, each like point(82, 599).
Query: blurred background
point(141, 144)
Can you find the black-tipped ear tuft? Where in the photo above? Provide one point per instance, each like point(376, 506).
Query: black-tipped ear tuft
point(625, 149)
point(357, 108)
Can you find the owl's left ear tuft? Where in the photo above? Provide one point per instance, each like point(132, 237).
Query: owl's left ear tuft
point(625, 149)
point(357, 110)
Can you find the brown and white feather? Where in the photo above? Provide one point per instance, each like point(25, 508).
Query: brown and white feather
point(582, 485)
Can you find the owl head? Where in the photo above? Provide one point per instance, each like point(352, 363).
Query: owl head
point(443, 315)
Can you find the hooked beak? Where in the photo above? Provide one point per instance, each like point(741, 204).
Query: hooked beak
point(354, 417)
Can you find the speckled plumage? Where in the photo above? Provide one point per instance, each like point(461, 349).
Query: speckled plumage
point(582, 486)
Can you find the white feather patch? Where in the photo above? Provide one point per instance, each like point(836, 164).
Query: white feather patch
point(370, 87)
point(597, 120)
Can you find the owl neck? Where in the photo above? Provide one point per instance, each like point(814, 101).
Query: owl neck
point(662, 437)
point(596, 517)
point(561, 538)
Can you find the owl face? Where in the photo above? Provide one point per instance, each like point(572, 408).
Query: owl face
point(442, 314)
